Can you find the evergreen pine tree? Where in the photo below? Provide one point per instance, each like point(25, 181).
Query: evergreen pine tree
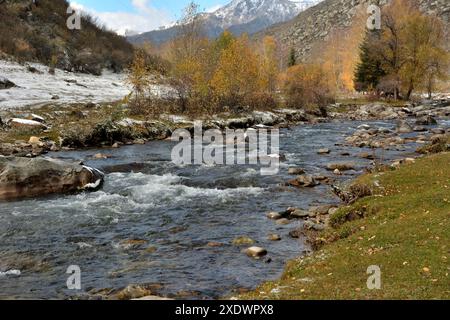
point(369, 71)
point(292, 58)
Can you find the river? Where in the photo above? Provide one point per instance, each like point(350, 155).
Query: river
point(177, 211)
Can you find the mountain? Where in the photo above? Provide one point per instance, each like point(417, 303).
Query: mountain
point(239, 16)
point(308, 31)
point(37, 31)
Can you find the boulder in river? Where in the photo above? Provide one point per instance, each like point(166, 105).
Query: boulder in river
point(274, 215)
point(256, 252)
point(341, 166)
point(306, 181)
point(404, 127)
point(6, 84)
point(296, 171)
point(240, 241)
point(274, 237)
point(419, 129)
point(25, 178)
point(323, 151)
point(426, 121)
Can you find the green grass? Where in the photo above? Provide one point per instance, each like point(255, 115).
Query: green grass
point(405, 231)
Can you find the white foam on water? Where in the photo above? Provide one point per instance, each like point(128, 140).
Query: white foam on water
point(10, 273)
point(139, 193)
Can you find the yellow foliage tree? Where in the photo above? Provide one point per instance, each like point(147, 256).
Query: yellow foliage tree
point(411, 48)
point(268, 65)
point(139, 79)
point(237, 73)
point(339, 54)
point(307, 86)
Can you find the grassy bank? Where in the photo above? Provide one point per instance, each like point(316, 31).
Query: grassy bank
point(404, 229)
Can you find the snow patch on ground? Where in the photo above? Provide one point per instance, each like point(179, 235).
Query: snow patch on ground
point(36, 89)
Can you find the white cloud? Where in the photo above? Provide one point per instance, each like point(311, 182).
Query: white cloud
point(147, 18)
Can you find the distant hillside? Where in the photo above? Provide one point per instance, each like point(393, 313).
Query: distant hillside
point(314, 25)
point(37, 31)
point(239, 16)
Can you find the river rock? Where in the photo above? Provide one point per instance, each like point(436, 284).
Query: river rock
point(296, 171)
point(373, 131)
point(364, 127)
point(323, 151)
point(426, 121)
point(319, 210)
point(296, 233)
point(419, 129)
point(133, 292)
point(366, 155)
point(299, 214)
point(131, 244)
point(283, 221)
point(24, 178)
point(274, 237)
point(26, 124)
point(100, 156)
point(332, 211)
point(404, 127)
point(34, 140)
point(239, 241)
point(36, 118)
point(6, 84)
point(274, 215)
point(256, 252)
point(265, 118)
point(309, 225)
point(437, 131)
point(306, 181)
point(341, 166)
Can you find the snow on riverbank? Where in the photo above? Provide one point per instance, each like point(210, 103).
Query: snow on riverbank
point(34, 89)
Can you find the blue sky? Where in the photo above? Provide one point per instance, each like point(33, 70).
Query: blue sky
point(140, 15)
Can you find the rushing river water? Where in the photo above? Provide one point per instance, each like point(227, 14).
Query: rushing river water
point(177, 211)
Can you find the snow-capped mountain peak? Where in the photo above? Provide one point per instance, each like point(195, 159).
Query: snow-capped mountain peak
point(244, 11)
point(238, 16)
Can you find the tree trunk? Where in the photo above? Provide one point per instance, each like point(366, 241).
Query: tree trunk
point(410, 89)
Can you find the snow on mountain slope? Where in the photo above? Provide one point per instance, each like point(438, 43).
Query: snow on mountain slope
point(244, 11)
point(239, 16)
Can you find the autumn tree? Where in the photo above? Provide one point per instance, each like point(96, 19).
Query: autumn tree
point(139, 79)
point(269, 66)
point(424, 53)
point(339, 52)
point(185, 55)
point(307, 86)
point(191, 30)
point(237, 73)
point(409, 50)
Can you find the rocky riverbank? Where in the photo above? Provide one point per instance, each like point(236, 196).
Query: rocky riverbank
point(157, 221)
point(34, 131)
point(403, 233)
